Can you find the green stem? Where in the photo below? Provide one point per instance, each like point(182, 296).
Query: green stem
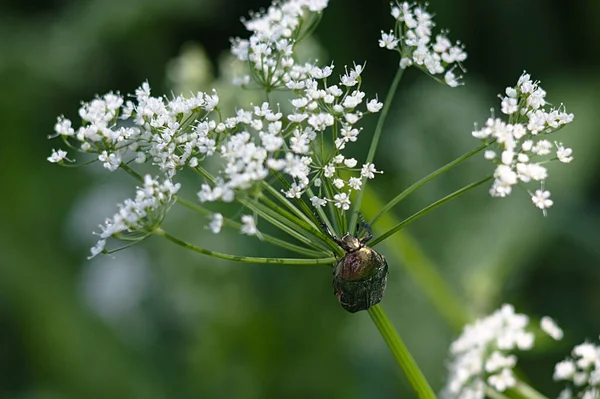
point(403, 357)
point(426, 210)
point(371, 154)
point(527, 392)
point(493, 394)
point(424, 180)
point(246, 259)
point(268, 238)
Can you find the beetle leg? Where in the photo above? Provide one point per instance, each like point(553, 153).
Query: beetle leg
point(327, 231)
point(369, 231)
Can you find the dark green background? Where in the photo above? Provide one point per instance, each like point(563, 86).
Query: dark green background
point(157, 322)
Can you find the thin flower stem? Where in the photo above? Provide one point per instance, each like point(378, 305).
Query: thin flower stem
point(268, 238)
point(426, 179)
point(270, 217)
point(337, 212)
point(403, 357)
point(274, 218)
point(526, 391)
point(426, 210)
point(246, 259)
point(493, 394)
point(290, 206)
point(371, 154)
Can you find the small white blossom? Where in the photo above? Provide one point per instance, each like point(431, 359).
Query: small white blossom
point(57, 156)
point(388, 40)
point(316, 201)
point(368, 170)
point(342, 201)
point(564, 155)
point(541, 199)
point(503, 380)
point(248, 225)
point(374, 106)
point(350, 162)
point(216, 223)
point(550, 327)
point(355, 183)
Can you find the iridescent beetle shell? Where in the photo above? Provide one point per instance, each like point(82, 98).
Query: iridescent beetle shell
point(360, 277)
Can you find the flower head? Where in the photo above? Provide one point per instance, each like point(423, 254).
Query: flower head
point(413, 39)
point(582, 371)
point(483, 354)
point(140, 215)
point(520, 140)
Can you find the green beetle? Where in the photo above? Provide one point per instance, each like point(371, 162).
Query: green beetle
point(360, 277)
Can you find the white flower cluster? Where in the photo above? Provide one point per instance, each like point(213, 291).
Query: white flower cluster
point(270, 49)
point(259, 140)
point(522, 149)
point(141, 214)
point(482, 356)
point(412, 38)
point(153, 129)
point(582, 371)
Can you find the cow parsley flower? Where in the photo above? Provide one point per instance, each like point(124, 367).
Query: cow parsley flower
point(521, 149)
point(483, 354)
point(582, 371)
point(248, 225)
point(413, 39)
point(141, 215)
point(269, 50)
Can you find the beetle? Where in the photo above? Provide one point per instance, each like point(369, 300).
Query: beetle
point(360, 277)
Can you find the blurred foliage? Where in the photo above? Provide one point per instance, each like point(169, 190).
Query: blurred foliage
point(158, 322)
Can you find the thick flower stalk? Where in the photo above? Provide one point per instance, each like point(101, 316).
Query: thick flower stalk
point(521, 147)
point(582, 371)
point(483, 356)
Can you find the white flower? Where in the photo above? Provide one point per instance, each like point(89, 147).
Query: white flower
point(328, 170)
point(438, 58)
point(564, 370)
point(482, 355)
point(355, 183)
point(541, 199)
point(583, 371)
point(316, 201)
point(97, 249)
point(368, 170)
point(550, 327)
point(503, 380)
point(523, 149)
point(489, 154)
point(350, 162)
point(142, 214)
point(248, 225)
point(216, 223)
point(388, 40)
point(338, 183)
point(563, 154)
point(342, 201)
point(374, 106)
point(57, 156)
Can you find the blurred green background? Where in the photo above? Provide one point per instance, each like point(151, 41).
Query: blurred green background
point(158, 322)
